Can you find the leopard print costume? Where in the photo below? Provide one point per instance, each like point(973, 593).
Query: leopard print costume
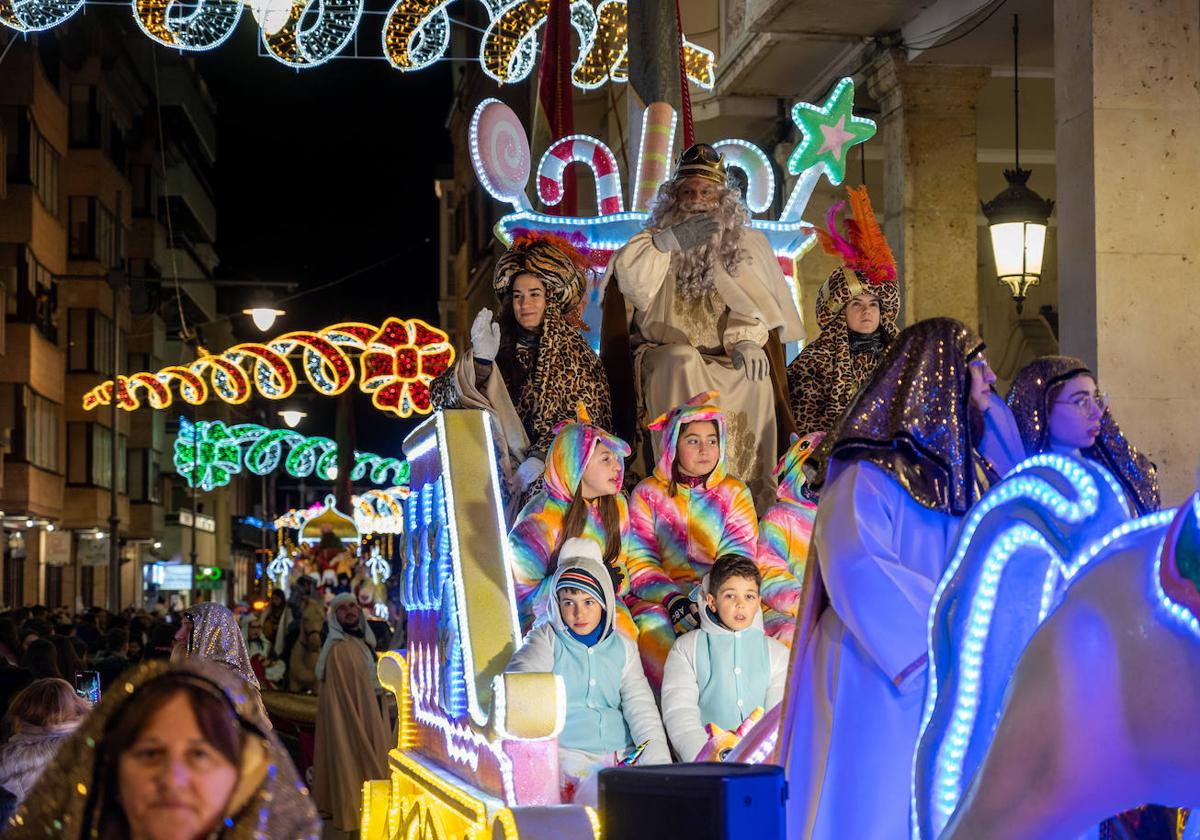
point(824, 378)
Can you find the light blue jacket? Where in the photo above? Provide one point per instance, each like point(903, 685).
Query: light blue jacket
point(717, 675)
point(610, 707)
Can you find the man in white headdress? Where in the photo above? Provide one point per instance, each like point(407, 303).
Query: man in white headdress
point(710, 311)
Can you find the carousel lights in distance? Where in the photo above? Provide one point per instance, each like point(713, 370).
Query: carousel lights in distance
point(398, 360)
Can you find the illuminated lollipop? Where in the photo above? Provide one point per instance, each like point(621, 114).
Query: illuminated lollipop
point(500, 152)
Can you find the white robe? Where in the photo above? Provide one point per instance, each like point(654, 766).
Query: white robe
point(685, 347)
point(862, 678)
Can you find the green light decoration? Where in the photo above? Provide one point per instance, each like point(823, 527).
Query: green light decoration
point(830, 131)
point(208, 454)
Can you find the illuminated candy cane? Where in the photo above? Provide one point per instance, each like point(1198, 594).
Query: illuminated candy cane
point(760, 177)
point(654, 153)
point(203, 27)
point(298, 45)
point(579, 148)
point(36, 15)
point(416, 34)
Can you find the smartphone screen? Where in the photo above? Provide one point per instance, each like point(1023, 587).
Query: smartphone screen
point(87, 685)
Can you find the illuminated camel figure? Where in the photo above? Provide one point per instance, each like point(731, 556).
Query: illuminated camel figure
point(1064, 662)
point(476, 755)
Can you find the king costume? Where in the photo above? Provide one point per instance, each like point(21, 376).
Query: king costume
point(683, 335)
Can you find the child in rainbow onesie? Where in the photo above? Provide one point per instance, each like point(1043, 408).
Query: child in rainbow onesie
point(582, 498)
point(682, 518)
point(784, 533)
point(611, 715)
point(720, 674)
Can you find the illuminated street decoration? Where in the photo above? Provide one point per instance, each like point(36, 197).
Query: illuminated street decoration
point(398, 361)
point(206, 455)
point(509, 45)
point(206, 25)
point(303, 41)
point(416, 33)
point(753, 162)
point(279, 570)
point(579, 148)
point(475, 754)
point(36, 15)
point(830, 131)
point(225, 450)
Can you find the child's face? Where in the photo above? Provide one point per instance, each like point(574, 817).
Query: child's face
point(736, 602)
point(579, 610)
point(602, 475)
point(699, 448)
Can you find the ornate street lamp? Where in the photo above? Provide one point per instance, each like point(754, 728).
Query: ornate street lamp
point(263, 316)
point(292, 417)
point(1018, 216)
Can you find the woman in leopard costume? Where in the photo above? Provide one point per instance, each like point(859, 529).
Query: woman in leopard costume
point(530, 376)
point(857, 309)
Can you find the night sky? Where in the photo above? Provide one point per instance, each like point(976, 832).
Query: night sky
point(326, 171)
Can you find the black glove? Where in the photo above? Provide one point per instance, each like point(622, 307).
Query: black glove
point(618, 578)
point(688, 234)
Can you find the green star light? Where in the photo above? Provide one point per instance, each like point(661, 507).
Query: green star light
point(830, 132)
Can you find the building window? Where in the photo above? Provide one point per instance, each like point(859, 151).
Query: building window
point(95, 232)
point(146, 190)
point(87, 585)
point(90, 342)
point(31, 158)
point(37, 296)
point(144, 477)
point(89, 456)
point(37, 432)
point(94, 124)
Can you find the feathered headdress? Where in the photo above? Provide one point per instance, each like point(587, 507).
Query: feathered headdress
point(863, 248)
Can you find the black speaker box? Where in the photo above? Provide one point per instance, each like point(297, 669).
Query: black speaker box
point(693, 801)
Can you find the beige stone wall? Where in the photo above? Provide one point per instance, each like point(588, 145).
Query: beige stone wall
point(1128, 115)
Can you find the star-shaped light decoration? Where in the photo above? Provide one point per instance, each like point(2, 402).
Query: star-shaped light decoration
point(830, 131)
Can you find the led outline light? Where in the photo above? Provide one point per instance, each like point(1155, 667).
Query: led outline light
point(602, 25)
point(946, 787)
point(18, 21)
point(756, 175)
point(552, 167)
point(433, 29)
point(1175, 611)
point(518, 200)
point(824, 110)
point(637, 177)
point(331, 29)
point(260, 450)
point(181, 32)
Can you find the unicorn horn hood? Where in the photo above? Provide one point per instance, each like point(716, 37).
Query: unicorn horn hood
point(699, 408)
point(574, 443)
point(789, 472)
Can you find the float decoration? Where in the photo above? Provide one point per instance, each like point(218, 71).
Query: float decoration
point(225, 450)
point(327, 519)
point(830, 131)
point(476, 754)
point(398, 362)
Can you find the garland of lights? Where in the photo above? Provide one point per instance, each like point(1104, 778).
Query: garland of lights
point(398, 362)
point(208, 454)
point(416, 33)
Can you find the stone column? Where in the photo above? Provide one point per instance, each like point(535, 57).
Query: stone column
point(930, 199)
point(1127, 115)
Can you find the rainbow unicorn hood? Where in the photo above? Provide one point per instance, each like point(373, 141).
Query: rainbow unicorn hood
point(789, 472)
point(574, 443)
point(698, 408)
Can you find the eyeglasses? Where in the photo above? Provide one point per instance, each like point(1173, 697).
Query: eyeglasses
point(1085, 402)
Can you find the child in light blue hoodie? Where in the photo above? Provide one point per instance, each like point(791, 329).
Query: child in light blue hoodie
point(610, 708)
point(722, 672)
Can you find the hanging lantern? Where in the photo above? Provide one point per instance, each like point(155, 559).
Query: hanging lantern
point(1018, 218)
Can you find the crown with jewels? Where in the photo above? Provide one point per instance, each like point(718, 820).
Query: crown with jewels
point(701, 161)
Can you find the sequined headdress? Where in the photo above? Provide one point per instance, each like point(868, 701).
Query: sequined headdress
point(69, 797)
point(217, 637)
point(1029, 400)
point(911, 418)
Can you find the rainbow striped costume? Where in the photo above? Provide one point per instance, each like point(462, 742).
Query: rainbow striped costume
point(783, 537)
point(676, 539)
point(538, 532)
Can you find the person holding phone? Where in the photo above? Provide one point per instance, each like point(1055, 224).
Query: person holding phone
point(44, 714)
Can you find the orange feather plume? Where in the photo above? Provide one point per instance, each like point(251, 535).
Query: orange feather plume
point(864, 248)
